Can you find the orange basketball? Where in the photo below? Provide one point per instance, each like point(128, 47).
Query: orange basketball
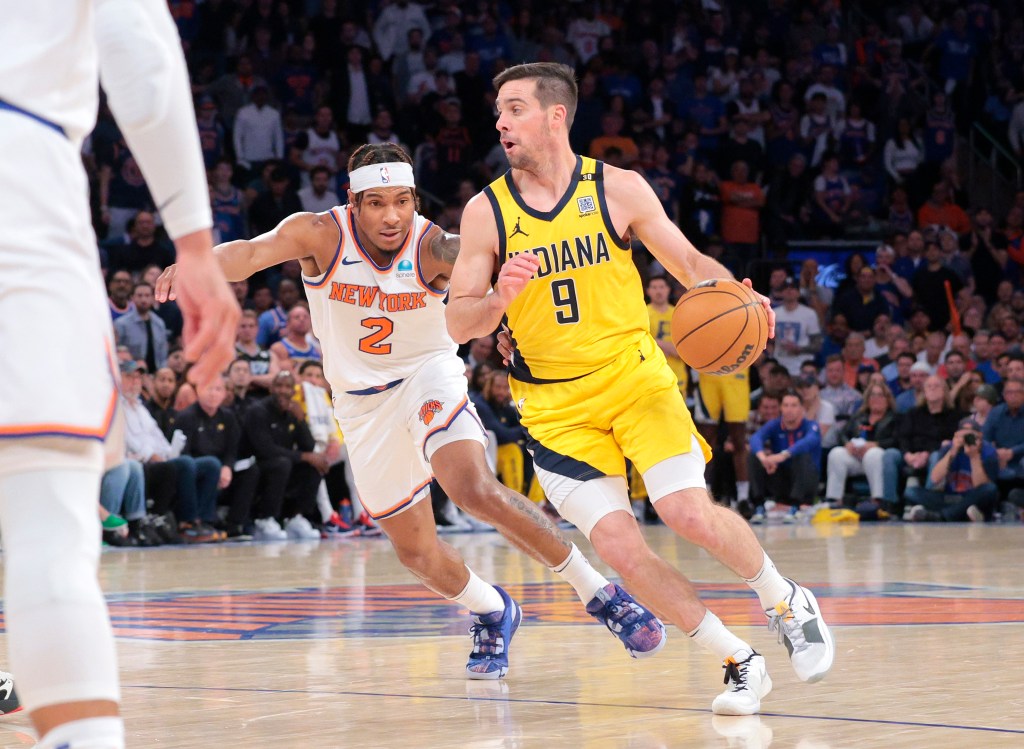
point(719, 326)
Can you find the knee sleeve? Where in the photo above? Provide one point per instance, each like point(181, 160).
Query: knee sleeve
point(591, 500)
point(60, 641)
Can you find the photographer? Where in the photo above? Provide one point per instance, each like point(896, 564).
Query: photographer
point(961, 484)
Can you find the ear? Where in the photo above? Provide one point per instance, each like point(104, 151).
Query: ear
point(558, 114)
point(351, 197)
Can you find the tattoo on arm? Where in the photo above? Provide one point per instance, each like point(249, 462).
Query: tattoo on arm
point(445, 247)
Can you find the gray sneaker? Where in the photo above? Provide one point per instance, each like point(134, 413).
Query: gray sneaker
point(803, 631)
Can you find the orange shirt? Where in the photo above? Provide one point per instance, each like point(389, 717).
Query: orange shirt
point(950, 215)
point(600, 145)
point(741, 224)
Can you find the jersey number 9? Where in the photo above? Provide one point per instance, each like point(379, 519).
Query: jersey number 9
point(567, 308)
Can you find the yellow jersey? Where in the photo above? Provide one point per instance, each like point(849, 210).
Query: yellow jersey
point(585, 304)
point(661, 329)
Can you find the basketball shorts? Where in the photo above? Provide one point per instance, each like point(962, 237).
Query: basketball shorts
point(391, 435)
point(718, 394)
point(58, 377)
point(586, 428)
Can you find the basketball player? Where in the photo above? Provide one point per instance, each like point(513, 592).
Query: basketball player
point(376, 275)
point(590, 381)
point(54, 419)
point(659, 311)
point(726, 395)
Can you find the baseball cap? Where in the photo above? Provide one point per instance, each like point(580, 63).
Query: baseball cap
point(790, 283)
point(920, 366)
point(130, 366)
point(969, 423)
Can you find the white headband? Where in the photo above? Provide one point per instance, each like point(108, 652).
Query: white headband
point(391, 174)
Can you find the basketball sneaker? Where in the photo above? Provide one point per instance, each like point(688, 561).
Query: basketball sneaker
point(300, 529)
point(9, 702)
point(268, 529)
point(335, 527)
point(803, 631)
point(640, 631)
point(747, 681)
point(492, 633)
point(368, 528)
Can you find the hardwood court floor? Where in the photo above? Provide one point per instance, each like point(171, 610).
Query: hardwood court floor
point(334, 645)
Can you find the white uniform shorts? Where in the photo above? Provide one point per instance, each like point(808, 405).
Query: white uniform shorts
point(57, 377)
point(392, 435)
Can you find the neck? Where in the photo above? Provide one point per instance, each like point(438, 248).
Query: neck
point(208, 411)
point(661, 307)
point(552, 175)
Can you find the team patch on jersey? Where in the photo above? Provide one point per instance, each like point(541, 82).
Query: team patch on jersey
point(405, 269)
point(428, 409)
point(586, 205)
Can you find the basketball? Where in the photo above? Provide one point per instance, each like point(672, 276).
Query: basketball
point(719, 326)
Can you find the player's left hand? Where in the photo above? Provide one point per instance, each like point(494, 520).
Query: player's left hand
point(505, 347)
point(767, 304)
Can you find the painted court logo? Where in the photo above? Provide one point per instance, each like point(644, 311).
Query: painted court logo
point(428, 409)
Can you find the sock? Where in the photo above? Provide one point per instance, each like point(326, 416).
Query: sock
point(742, 490)
point(479, 597)
point(770, 586)
point(89, 733)
point(712, 635)
point(576, 571)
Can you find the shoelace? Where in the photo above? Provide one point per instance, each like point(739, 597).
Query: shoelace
point(786, 625)
point(619, 615)
point(737, 672)
point(489, 644)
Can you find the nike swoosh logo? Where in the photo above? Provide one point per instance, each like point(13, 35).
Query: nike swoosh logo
point(346, 261)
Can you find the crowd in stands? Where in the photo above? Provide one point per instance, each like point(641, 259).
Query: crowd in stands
point(758, 124)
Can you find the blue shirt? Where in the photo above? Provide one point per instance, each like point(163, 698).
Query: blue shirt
point(806, 438)
point(1004, 429)
point(958, 479)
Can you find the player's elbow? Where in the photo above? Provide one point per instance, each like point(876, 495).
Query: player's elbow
point(135, 64)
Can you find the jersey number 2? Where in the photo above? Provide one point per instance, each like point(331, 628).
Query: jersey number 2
point(382, 327)
point(563, 292)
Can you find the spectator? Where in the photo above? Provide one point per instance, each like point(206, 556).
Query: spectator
point(258, 136)
point(797, 333)
point(262, 364)
point(240, 395)
point(211, 131)
point(739, 146)
point(903, 154)
point(902, 381)
point(123, 493)
point(985, 399)
point(290, 468)
point(322, 144)
point(832, 197)
point(854, 361)
point(816, 128)
point(232, 91)
point(855, 137)
point(274, 319)
point(788, 204)
point(161, 398)
point(961, 485)
point(228, 204)
point(317, 197)
point(119, 290)
point(146, 246)
point(929, 284)
point(212, 430)
point(986, 248)
point(275, 205)
point(1004, 428)
point(862, 444)
point(612, 137)
point(940, 210)
point(742, 202)
point(659, 311)
point(845, 399)
point(785, 457)
point(862, 303)
point(877, 345)
point(122, 188)
point(193, 481)
point(393, 24)
point(934, 345)
point(919, 432)
point(817, 410)
point(353, 96)
point(142, 331)
point(297, 342)
point(919, 372)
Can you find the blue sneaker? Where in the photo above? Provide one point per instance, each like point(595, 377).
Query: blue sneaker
point(492, 634)
point(640, 631)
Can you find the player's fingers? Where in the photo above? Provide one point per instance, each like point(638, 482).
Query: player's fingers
point(165, 285)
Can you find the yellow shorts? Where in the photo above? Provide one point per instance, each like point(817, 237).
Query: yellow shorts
point(729, 393)
point(585, 428)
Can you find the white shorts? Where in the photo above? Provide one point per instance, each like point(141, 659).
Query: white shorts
point(392, 435)
point(58, 376)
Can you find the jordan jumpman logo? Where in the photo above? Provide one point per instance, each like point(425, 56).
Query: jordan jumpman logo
point(517, 229)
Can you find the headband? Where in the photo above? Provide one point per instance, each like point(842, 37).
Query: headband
point(391, 174)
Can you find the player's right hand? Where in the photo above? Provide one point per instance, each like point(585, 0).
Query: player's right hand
point(514, 276)
point(210, 310)
point(505, 347)
point(164, 290)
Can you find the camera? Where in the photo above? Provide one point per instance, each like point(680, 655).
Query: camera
point(970, 439)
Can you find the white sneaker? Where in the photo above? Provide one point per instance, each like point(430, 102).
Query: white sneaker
point(803, 631)
point(9, 702)
point(975, 515)
point(747, 682)
point(268, 529)
point(301, 529)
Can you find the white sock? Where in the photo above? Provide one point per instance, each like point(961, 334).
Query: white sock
point(712, 635)
point(742, 490)
point(576, 571)
point(479, 597)
point(770, 586)
point(90, 733)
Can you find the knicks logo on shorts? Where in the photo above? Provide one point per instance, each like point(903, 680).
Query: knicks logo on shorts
point(428, 409)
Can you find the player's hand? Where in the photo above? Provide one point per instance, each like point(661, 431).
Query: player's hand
point(505, 347)
point(225, 477)
point(767, 304)
point(514, 276)
point(210, 310)
point(164, 290)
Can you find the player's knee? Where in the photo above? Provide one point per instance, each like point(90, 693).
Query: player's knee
point(620, 544)
point(688, 514)
point(417, 558)
point(480, 496)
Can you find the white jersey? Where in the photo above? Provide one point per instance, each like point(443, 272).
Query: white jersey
point(49, 63)
point(377, 325)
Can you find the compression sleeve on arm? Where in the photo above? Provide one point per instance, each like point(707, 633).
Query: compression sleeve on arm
point(142, 69)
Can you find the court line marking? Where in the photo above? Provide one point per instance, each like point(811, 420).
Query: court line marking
point(521, 700)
